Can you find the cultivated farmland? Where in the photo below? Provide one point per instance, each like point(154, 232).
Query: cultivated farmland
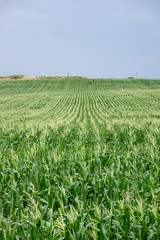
point(79, 159)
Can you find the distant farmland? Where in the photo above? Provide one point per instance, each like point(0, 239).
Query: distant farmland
point(79, 158)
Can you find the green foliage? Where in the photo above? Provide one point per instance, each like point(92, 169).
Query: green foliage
point(17, 76)
point(79, 159)
point(56, 183)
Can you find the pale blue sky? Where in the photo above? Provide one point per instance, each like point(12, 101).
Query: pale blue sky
point(93, 38)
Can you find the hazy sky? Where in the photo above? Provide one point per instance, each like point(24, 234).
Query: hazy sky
point(93, 38)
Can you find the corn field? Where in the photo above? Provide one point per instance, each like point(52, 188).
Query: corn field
point(79, 159)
